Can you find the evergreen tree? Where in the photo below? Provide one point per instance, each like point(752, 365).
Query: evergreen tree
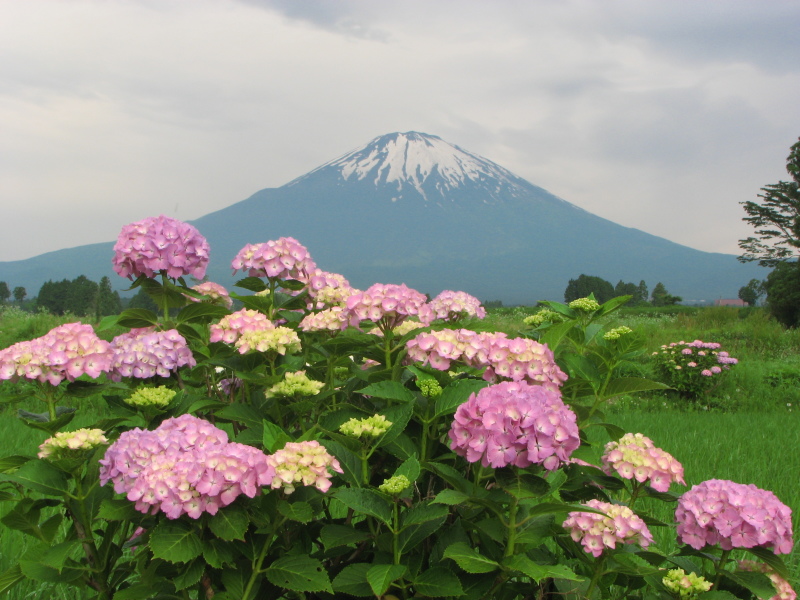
point(589, 284)
point(5, 293)
point(82, 296)
point(643, 295)
point(626, 289)
point(661, 297)
point(108, 301)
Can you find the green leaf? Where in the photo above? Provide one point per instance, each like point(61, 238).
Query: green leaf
point(217, 553)
point(410, 468)
point(522, 485)
point(137, 317)
point(470, 559)
point(630, 385)
point(42, 421)
point(420, 523)
point(10, 578)
point(348, 460)
point(774, 561)
point(299, 573)
point(450, 497)
point(717, 595)
point(118, 509)
point(366, 502)
point(56, 555)
point(553, 335)
point(138, 591)
point(388, 390)
point(581, 367)
point(611, 305)
point(274, 437)
point(296, 511)
point(438, 582)
point(253, 284)
point(33, 567)
point(380, 577)
point(353, 581)
point(399, 416)
point(333, 536)
point(106, 323)
point(230, 523)
point(455, 394)
point(234, 582)
point(189, 575)
point(40, 476)
point(537, 572)
point(247, 415)
point(10, 463)
point(199, 312)
point(175, 541)
point(758, 583)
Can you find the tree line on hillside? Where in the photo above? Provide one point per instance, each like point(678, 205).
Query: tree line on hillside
point(81, 297)
point(603, 291)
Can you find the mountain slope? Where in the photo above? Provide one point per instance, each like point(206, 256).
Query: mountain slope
point(411, 208)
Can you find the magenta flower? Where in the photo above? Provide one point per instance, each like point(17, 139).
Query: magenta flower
point(451, 306)
point(596, 532)
point(635, 456)
point(733, 515)
point(513, 423)
point(65, 352)
point(144, 353)
point(305, 463)
point(284, 258)
point(160, 245)
point(388, 305)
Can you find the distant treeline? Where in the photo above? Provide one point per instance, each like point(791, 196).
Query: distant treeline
point(81, 296)
point(604, 291)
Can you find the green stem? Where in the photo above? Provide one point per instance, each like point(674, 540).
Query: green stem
point(164, 298)
point(720, 567)
point(259, 561)
point(512, 528)
point(598, 572)
point(82, 524)
point(395, 533)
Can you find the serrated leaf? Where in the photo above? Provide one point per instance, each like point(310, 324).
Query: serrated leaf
point(134, 318)
point(234, 582)
point(758, 583)
point(388, 390)
point(118, 509)
point(10, 578)
point(455, 394)
point(348, 460)
point(142, 590)
point(380, 577)
point(253, 284)
point(450, 497)
point(537, 572)
point(333, 536)
point(399, 416)
point(40, 476)
point(56, 555)
point(470, 559)
point(230, 523)
point(217, 553)
point(353, 581)
point(366, 502)
point(198, 312)
point(296, 511)
point(410, 468)
point(438, 582)
point(42, 422)
point(299, 573)
point(175, 541)
point(189, 575)
point(274, 438)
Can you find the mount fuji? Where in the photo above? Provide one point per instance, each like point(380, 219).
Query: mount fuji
point(412, 208)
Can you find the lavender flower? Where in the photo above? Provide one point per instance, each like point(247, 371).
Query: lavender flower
point(597, 532)
point(284, 258)
point(144, 353)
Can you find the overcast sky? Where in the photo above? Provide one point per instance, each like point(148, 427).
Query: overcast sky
point(660, 115)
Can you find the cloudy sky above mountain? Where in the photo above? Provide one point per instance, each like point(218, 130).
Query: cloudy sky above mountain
point(662, 116)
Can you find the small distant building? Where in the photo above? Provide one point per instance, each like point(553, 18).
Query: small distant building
point(730, 302)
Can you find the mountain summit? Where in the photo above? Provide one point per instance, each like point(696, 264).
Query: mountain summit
point(412, 208)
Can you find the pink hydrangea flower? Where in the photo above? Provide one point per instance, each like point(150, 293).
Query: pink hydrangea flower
point(231, 327)
point(635, 456)
point(284, 258)
point(327, 290)
point(65, 352)
point(782, 587)
point(160, 244)
point(185, 466)
point(330, 319)
point(513, 423)
point(388, 305)
point(451, 306)
point(305, 463)
point(215, 292)
point(144, 353)
point(733, 515)
point(595, 532)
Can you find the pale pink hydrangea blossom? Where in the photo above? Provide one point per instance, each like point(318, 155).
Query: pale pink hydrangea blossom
point(514, 423)
point(284, 258)
point(65, 352)
point(330, 319)
point(305, 463)
point(231, 327)
point(452, 306)
point(635, 456)
point(160, 245)
point(733, 515)
point(185, 466)
point(596, 532)
point(388, 305)
point(145, 352)
point(215, 292)
point(326, 290)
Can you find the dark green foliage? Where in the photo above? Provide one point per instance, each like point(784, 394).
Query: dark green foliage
point(108, 300)
point(19, 294)
point(642, 294)
point(142, 300)
point(783, 293)
point(5, 293)
point(589, 284)
point(53, 296)
point(776, 219)
point(82, 296)
point(626, 289)
point(752, 292)
point(661, 297)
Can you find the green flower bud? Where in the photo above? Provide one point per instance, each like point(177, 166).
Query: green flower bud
point(543, 316)
point(685, 586)
point(295, 385)
point(617, 332)
point(430, 388)
point(158, 397)
point(394, 485)
point(584, 304)
point(370, 427)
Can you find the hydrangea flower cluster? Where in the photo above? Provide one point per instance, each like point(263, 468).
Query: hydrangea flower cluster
point(635, 456)
point(543, 316)
point(733, 515)
point(158, 397)
point(429, 388)
point(327, 290)
point(395, 486)
point(368, 427)
point(690, 367)
point(284, 258)
point(65, 352)
point(783, 587)
point(330, 319)
point(584, 304)
point(617, 332)
point(517, 359)
point(145, 352)
point(232, 326)
point(295, 385)
point(303, 462)
point(67, 444)
point(160, 244)
point(281, 340)
point(595, 532)
point(185, 466)
point(513, 423)
point(452, 306)
point(388, 305)
point(215, 292)
point(685, 586)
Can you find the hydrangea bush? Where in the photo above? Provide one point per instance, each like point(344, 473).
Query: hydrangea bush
point(317, 441)
point(692, 368)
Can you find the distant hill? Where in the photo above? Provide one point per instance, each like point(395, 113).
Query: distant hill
point(412, 208)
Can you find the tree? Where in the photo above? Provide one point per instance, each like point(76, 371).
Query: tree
point(783, 293)
point(661, 297)
point(751, 292)
point(81, 297)
point(626, 289)
point(19, 294)
point(53, 296)
point(142, 300)
point(5, 293)
point(643, 295)
point(589, 284)
point(108, 301)
point(776, 219)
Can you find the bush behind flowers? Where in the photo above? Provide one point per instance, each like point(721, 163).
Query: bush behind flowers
point(284, 451)
point(692, 368)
